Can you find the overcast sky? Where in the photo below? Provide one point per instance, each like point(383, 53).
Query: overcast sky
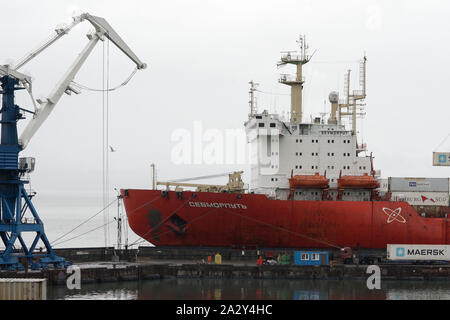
point(201, 55)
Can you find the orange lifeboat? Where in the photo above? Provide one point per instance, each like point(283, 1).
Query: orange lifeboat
point(358, 182)
point(316, 181)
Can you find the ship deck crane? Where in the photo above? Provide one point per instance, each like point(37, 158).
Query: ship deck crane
point(15, 201)
point(234, 184)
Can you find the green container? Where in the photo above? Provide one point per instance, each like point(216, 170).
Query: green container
point(286, 259)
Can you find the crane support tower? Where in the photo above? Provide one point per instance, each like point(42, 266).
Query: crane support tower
point(15, 201)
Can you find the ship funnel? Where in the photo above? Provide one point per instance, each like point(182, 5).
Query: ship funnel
point(334, 100)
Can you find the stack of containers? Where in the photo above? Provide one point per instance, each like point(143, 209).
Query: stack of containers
point(429, 195)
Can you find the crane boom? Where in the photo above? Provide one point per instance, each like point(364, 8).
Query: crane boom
point(46, 106)
point(59, 33)
point(102, 26)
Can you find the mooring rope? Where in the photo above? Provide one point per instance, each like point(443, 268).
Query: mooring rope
point(151, 228)
point(92, 230)
point(187, 226)
point(84, 222)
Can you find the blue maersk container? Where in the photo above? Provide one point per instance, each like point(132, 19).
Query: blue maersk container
point(310, 258)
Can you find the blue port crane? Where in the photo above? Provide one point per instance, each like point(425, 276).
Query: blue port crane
point(15, 202)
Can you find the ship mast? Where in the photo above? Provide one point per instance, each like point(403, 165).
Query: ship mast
point(296, 84)
point(351, 103)
point(252, 101)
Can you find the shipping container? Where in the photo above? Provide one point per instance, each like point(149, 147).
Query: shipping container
point(384, 185)
point(418, 184)
point(422, 198)
point(23, 289)
point(441, 159)
point(418, 252)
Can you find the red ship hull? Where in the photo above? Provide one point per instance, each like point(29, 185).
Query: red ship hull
point(253, 220)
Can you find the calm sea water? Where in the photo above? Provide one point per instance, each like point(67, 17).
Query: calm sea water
point(63, 212)
point(211, 289)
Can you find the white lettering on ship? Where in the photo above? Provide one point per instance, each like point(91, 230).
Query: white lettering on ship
point(394, 215)
point(217, 205)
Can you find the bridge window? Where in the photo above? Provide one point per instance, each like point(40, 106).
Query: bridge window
point(261, 125)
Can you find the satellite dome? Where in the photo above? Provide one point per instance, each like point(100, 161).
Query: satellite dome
point(334, 97)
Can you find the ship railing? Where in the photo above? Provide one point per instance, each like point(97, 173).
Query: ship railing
point(288, 57)
point(289, 78)
point(335, 133)
point(307, 173)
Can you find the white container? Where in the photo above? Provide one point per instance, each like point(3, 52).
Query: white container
point(384, 185)
point(418, 252)
point(23, 289)
point(422, 198)
point(418, 184)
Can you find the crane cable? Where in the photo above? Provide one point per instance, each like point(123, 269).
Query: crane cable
point(124, 83)
point(105, 129)
point(445, 139)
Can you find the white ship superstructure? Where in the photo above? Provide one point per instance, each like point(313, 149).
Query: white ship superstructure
point(283, 149)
